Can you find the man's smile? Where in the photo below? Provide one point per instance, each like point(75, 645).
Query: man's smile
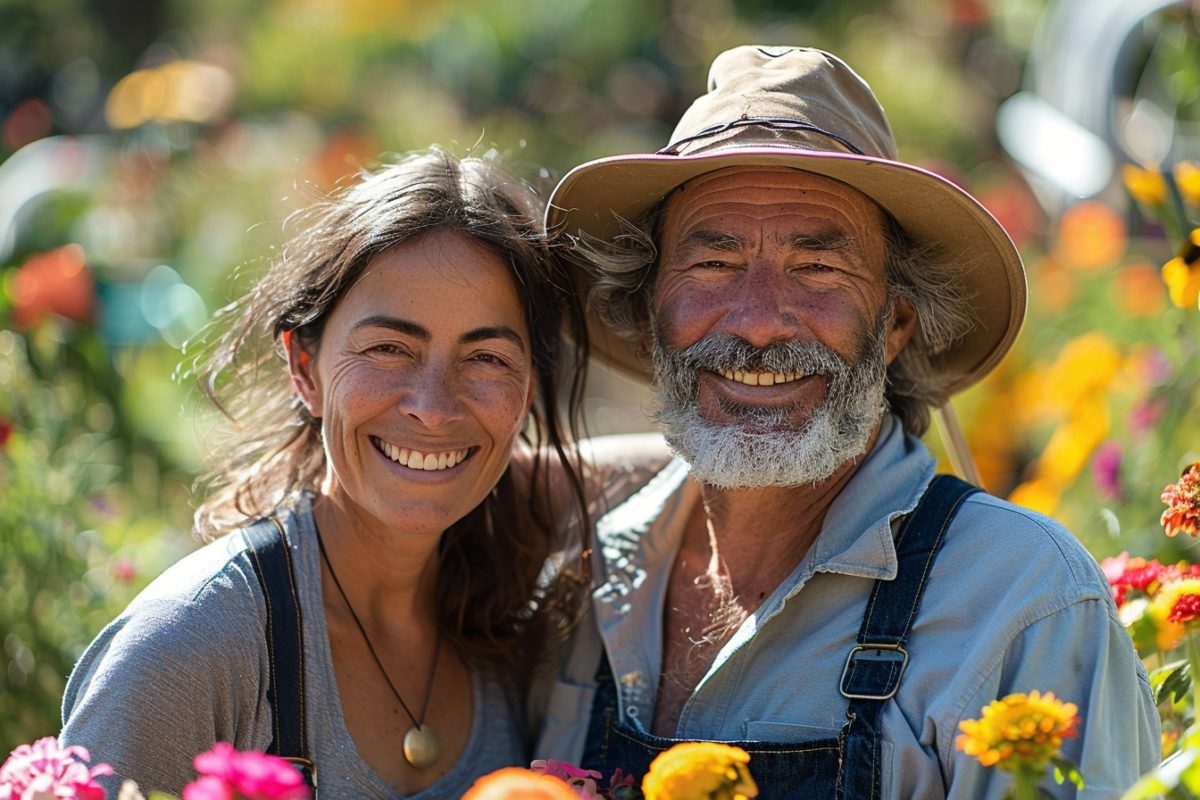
point(761, 378)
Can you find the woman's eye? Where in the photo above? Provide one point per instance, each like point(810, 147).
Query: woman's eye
point(490, 358)
point(386, 349)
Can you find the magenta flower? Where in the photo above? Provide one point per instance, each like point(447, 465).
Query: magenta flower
point(48, 770)
point(226, 774)
point(1106, 472)
point(582, 781)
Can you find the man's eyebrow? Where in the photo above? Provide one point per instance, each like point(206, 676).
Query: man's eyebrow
point(494, 332)
point(712, 240)
point(393, 323)
point(831, 240)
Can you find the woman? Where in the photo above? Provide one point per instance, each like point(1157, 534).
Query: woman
point(420, 319)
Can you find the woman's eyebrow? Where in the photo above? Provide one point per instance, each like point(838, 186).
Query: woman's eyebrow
point(493, 332)
point(393, 323)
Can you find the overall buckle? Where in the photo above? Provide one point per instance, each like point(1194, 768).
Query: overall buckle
point(879, 664)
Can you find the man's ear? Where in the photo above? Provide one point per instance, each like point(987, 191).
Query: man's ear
point(904, 322)
point(300, 368)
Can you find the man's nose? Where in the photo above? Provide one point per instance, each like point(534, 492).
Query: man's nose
point(759, 311)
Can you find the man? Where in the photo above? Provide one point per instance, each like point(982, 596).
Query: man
point(797, 580)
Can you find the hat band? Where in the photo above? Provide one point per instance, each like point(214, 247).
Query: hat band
point(777, 123)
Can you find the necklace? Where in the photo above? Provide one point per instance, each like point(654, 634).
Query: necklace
point(421, 745)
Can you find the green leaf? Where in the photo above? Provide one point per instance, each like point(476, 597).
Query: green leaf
point(1064, 770)
point(1171, 683)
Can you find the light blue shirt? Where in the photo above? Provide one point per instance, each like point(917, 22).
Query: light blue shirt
point(1014, 603)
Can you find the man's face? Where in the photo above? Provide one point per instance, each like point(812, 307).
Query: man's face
point(772, 325)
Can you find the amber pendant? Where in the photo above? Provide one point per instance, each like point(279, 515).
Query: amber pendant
point(421, 747)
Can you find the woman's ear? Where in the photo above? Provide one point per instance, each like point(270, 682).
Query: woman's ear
point(304, 377)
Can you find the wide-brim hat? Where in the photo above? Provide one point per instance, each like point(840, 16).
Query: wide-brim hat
point(806, 109)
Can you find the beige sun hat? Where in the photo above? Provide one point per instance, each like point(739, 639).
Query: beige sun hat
point(803, 108)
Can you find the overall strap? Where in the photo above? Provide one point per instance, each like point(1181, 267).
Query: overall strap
point(875, 664)
point(272, 561)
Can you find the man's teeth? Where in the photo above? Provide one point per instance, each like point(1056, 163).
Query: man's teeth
point(414, 459)
point(760, 378)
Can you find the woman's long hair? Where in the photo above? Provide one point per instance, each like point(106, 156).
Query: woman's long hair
point(490, 601)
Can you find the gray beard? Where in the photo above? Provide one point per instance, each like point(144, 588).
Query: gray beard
point(762, 448)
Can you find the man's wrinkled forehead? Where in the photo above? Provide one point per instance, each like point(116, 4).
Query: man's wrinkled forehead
point(813, 210)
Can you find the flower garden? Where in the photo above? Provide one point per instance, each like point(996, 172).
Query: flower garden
point(147, 171)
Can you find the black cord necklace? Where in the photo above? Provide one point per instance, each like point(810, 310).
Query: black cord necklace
point(422, 748)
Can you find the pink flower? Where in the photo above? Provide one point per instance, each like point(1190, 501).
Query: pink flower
point(47, 770)
point(226, 774)
point(1106, 472)
point(208, 788)
point(581, 781)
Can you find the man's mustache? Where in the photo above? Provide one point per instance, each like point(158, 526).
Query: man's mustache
point(719, 352)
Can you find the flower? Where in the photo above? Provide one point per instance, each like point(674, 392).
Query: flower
point(226, 773)
point(1183, 504)
point(1106, 471)
point(582, 781)
point(514, 783)
point(6, 431)
point(55, 282)
point(1187, 178)
point(1146, 186)
point(1182, 273)
point(46, 769)
point(700, 771)
point(1178, 601)
point(1019, 731)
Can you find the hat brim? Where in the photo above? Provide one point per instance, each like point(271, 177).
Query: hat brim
point(932, 210)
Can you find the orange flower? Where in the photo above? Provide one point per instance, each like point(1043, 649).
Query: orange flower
point(54, 282)
point(514, 783)
point(1019, 732)
point(1138, 290)
point(1090, 236)
point(1183, 503)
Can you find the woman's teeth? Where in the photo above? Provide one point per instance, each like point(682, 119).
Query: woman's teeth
point(760, 378)
point(414, 459)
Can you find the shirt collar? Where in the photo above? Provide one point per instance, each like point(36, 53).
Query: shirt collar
point(856, 538)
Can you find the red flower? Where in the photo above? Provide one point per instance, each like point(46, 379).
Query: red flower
point(1186, 609)
point(1183, 503)
point(55, 282)
point(6, 431)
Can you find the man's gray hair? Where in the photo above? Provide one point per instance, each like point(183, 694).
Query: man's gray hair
point(623, 289)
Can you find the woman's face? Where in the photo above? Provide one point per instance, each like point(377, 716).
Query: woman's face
point(422, 381)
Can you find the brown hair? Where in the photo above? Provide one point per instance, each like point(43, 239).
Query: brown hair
point(489, 613)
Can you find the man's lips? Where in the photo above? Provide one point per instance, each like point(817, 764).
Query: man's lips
point(760, 378)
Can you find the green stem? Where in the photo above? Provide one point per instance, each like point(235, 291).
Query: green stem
point(1193, 658)
point(1024, 785)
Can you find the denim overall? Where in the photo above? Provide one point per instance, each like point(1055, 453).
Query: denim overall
point(845, 767)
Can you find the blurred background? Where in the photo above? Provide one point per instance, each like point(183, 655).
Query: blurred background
point(150, 152)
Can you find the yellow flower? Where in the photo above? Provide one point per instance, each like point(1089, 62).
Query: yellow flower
point(1182, 273)
point(1019, 732)
point(1187, 178)
point(1146, 186)
point(700, 771)
point(1073, 442)
point(1082, 371)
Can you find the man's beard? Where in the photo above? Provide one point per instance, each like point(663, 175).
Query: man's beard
point(762, 446)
